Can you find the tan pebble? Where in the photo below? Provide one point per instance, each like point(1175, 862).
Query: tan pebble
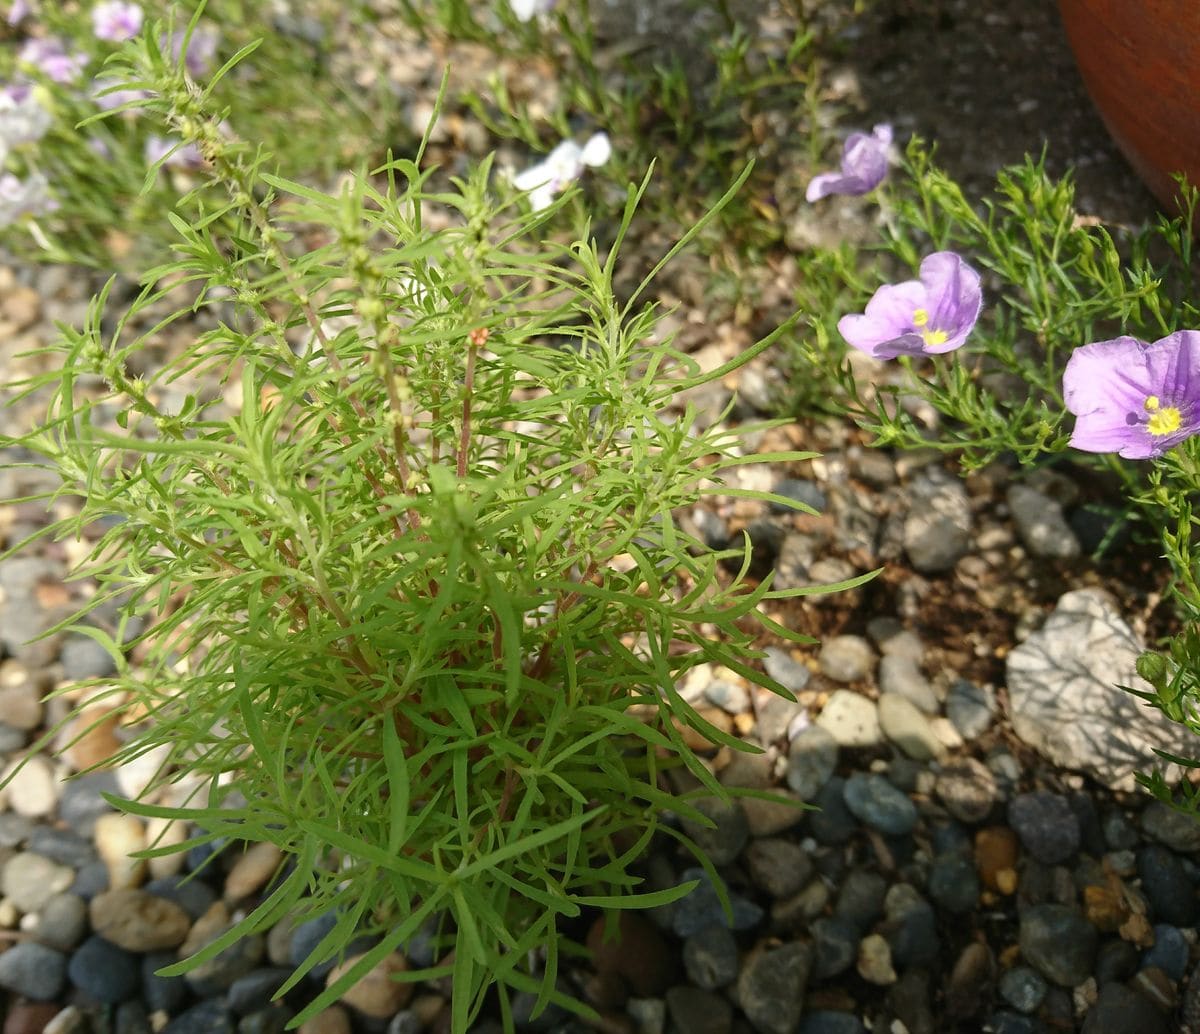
point(996, 851)
point(875, 961)
point(34, 787)
point(162, 832)
point(376, 994)
point(206, 929)
point(334, 1020)
point(10, 915)
point(22, 306)
point(69, 1021)
point(767, 818)
point(426, 1008)
point(21, 695)
point(135, 775)
point(118, 836)
point(1006, 881)
point(251, 872)
point(137, 921)
point(92, 736)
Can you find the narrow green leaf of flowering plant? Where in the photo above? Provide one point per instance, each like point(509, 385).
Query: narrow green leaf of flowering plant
point(225, 69)
point(555, 832)
point(398, 786)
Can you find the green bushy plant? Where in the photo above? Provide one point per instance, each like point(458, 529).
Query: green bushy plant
point(418, 600)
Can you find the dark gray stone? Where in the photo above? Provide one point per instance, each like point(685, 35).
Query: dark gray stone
point(62, 922)
point(1059, 943)
point(81, 804)
point(812, 759)
point(1002, 1021)
point(860, 900)
point(207, 1017)
point(880, 805)
point(910, 928)
point(835, 946)
point(1166, 886)
point(253, 991)
point(218, 974)
point(1120, 834)
point(785, 669)
point(954, 883)
point(104, 972)
point(1023, 988)
point(1169, 951)
point(702, 908)
point(1117, 960)
point(14, 829)
point(711, 958)
point(832, 823)
point(1119, 1010)
point(1048, 828)
point(723, 841)
point(778, 867)
point(405, 1022)
point(770, 988)
point(162, 994)
point(704, 1012)
point(269, 1021)
point(805, 492)
point(62, 845)
point(84, 658)
point(1177, 830)
point(191, 894)
point(824, 1021)
point(131, 1018)
point(33, 970)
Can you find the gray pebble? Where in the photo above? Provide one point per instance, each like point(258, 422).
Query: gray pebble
point(835, 946)
point(851, 719)
point(879, 804)
point(770, 988)
point(1058, 942)
point(84, 658)
point(937, 529)
point(33, 970)
point(1169, 951)
point(62, 922)
point(253, 991)
point(1168, 826)
point(724, 840)
point(805, 492)
point(910, 927)
point(1120, 834)
point(208, 1017)
point(812, 759)
point(894, 640)
point(11, 740)
point(14, 829)
point(1023, 988)
point(29, 880)
point(731, 698)
point(131, 1018)
point(81, 804)
point(846, 658)
point(778, 867)
point(968, 790)
point(860, 899)
point(62, 845)
point(1048, 828)
point(1116, 960)
point(832, 822)
point(104, 972)
point(1120, 1010)
point(91, 880)
point(405, 1022)
point(162, 994)
point(702, 908)
point(900, 675)
point(193, 895)
point(824, 1021)
point(785, 669)
point(970, 708)
point(703, 1012)
point(1041, 524)
point(1166, 886)
point(954, 883)
point(710, 958)
point(1003, 1021)
point(215, 975)
point(274, 1020)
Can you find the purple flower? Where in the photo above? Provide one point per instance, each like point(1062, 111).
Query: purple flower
point(116, 20)
point(173, 153)
point(108, 94)
point(1132, 398)
point(50, 57)
point(18, 11)
point(19, 198)
point(919, 317)
point(864, 164)
point(201, 51)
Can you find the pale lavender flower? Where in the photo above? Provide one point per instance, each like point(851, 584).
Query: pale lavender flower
point(864, 164)
point(18, 11)
point(23, 120)
point(1132, 398)
point(919, 317)
point(116, 20)
point(50, 57)
point(19, 198)
point(173, 153)
point(107, 96)
point(526, 9)
point(201, 51)
point(562, 166)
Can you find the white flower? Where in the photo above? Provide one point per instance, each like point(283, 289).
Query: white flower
point(562, 167)
point(526, 9)
point(23, 120)
point(116, 20)
point(28, 197)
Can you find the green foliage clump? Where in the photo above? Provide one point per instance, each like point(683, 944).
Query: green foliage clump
point(418, 602)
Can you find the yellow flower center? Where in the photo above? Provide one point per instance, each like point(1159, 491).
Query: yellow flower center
point(1163, 420)
point(934, 337)
point(920, 317)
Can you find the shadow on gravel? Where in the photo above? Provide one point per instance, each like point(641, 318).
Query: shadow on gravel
point(990, 80)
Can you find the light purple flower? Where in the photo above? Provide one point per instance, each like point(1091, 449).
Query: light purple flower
point(23, 120)
point(526, 9)
point(1132, 398)
point(201, 51)
point(19, 198)
point(562, 166)
point(107, 96)
point(173, 153)
point(919, 317)
point(50, 57)
point(18, 11)
point(116, 20)
point(864, 164)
